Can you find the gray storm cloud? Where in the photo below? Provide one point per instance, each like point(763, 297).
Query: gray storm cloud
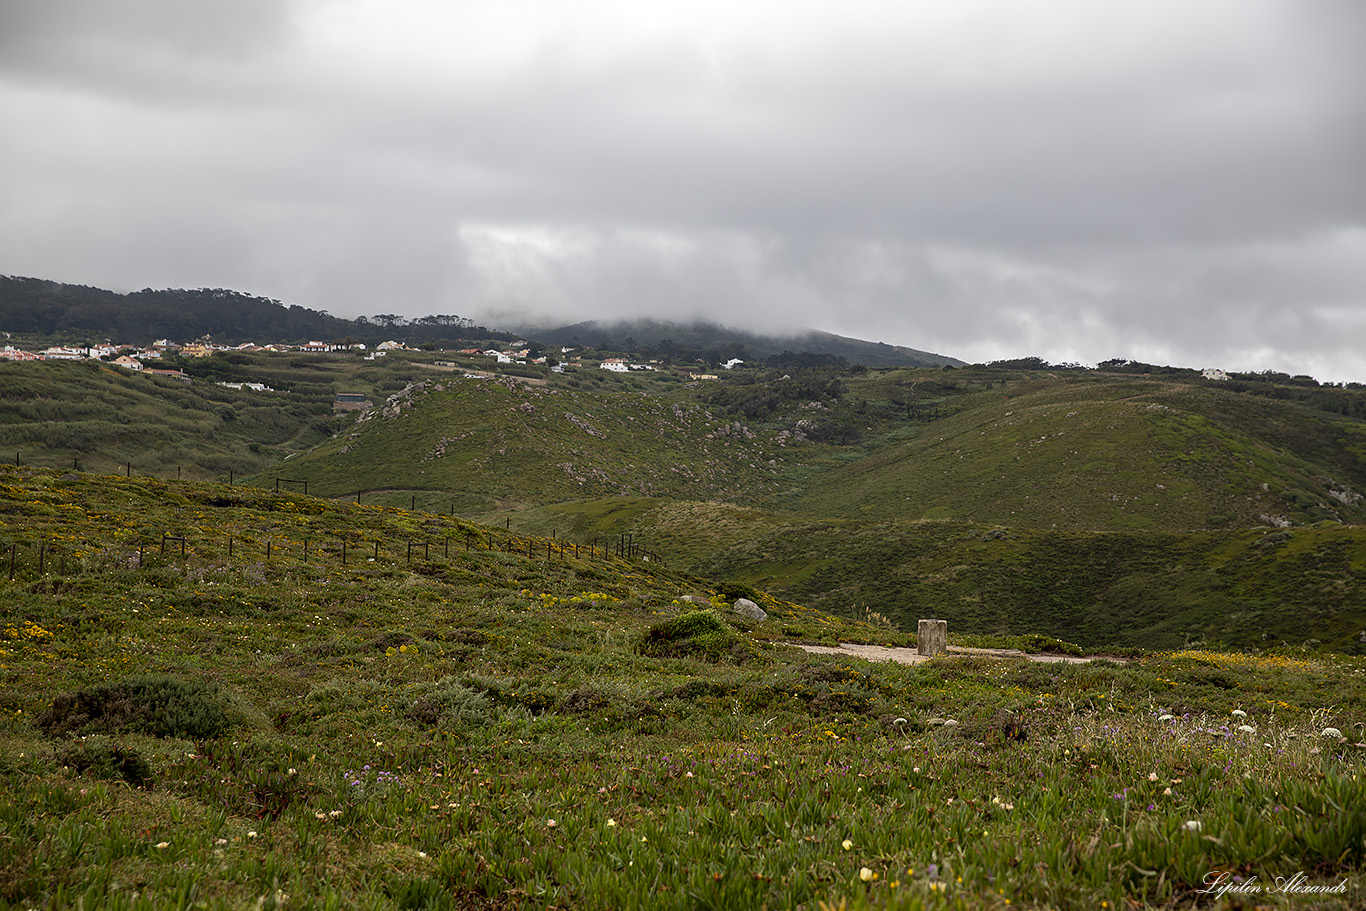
point(1162, 180)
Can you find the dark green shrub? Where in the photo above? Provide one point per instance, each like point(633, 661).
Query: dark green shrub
point(449, 701)
point(696, 634)
point(156, 704)
point(99, 758)
point(732, 591)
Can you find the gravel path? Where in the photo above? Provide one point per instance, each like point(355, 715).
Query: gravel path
point(911, 656)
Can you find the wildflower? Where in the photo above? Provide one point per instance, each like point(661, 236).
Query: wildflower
point(163, 845)
point(251, 834)
point(1193, 825)
point(1152, 776)
point(550, 823)
point(1332, 732)
point(1238, 713)
point(846, 844)
point(294, 771)
point(1167, 718)
point(1246, 729)
point(866, 875)
point(611, 823)
point(1166, 792)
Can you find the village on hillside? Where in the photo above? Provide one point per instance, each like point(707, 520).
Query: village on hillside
point(137, 358)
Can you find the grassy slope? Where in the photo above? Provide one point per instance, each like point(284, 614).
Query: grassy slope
point(57, 413)
point(480, 731)
point(1106, 453)
point(1246, 588)
point(483, 443)
point(1015, 449)
point(1152, 590)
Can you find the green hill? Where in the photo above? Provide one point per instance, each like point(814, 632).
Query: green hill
point(1111, 509)
point(223, 697)
point(105, 418)
point(706, 341)
point(481, 444)
point(1102, 452)
point(37, 307)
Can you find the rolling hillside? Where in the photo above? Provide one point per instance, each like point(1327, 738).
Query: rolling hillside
point(1116, 510)
point(1097, 452)
point(225, 697)
point(1091, 452)
point(480, 445)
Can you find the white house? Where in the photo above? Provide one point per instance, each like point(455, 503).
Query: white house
point(126, 361)
point(1214, 373)
point(64, 353)
point(615, 364)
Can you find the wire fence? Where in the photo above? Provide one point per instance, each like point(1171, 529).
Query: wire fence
point(30, 560)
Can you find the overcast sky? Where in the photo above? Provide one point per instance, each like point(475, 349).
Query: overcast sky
point(1179, 181)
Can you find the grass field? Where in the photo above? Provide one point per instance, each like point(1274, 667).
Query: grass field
point(487, 721)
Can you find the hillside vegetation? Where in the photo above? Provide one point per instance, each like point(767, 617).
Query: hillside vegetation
point(1100, 452)
point(1090, 452)
point(38, 307)
point(109, 419)
point(210, 702)
point(1109, 508)
point(491, 443)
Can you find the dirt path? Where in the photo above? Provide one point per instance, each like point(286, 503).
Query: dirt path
point(911, 656)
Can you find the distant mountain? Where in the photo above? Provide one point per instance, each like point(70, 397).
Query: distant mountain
point(34, 306)
point(710, 341)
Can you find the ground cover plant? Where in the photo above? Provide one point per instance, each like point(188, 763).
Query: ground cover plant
point(447, 715)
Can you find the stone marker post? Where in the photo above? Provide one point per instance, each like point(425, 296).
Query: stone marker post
point(933, 638)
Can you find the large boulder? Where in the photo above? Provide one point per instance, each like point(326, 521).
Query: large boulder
point(747, 608)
